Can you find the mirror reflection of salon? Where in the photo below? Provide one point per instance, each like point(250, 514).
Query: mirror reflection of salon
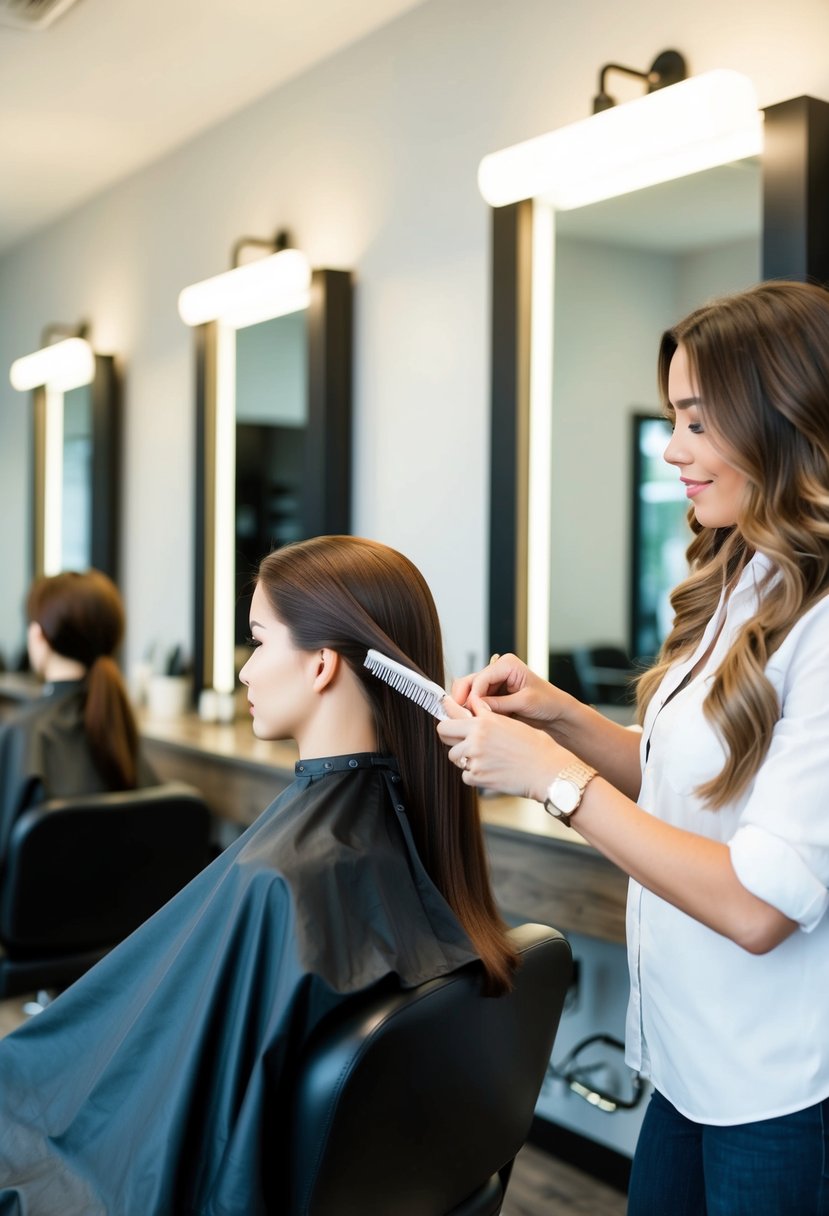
point(624, 269)
point(271, 427)
point(76, 513)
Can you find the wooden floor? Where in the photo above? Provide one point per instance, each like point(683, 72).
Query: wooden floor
point(543, 1186)
point(10, 1014)
point(540, 1185)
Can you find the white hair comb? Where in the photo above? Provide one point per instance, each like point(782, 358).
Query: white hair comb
point(417, 688)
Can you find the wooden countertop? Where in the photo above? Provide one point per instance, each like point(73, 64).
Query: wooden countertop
point(234, 741)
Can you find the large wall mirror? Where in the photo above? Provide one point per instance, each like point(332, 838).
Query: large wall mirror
point(77, 451)
point(75, 448)
point(624, 268)
point(273, 456)
point(617, 273)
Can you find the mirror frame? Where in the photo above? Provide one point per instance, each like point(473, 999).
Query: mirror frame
point(795, 245)
point(105, 398)
point(327, 463)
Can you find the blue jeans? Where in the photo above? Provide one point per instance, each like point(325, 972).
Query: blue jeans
point(774, 1167)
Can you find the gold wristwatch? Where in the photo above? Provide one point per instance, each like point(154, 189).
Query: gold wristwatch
point(565, 792)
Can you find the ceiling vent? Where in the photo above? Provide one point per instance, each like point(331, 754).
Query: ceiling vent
point(32, 14)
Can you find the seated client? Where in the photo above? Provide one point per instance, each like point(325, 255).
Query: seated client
point(144, 1087)
point(80, 736)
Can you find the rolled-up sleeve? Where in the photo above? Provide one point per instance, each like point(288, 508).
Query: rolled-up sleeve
point(780, 850)
point(774, 871)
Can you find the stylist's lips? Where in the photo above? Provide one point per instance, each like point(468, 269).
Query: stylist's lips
point(250, 707)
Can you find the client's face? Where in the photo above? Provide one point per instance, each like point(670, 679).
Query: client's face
point(279, 677)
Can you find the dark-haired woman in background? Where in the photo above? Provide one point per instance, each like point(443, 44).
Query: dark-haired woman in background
point(80, 736)
point(144, 1087)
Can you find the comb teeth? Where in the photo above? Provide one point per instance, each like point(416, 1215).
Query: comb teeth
point(408, 683)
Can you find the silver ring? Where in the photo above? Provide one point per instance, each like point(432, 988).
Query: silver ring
point(463, 762)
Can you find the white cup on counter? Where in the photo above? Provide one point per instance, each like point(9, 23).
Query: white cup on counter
point(168, 696)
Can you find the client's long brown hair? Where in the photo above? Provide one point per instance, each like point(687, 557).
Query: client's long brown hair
point(350, 595)
point(82, 618)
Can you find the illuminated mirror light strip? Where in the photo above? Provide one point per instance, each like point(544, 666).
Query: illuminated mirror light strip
point(539, 539)
point(705, 121)
point(259, 291)
point(53, 483)
point(224, 565)
point(62, 366)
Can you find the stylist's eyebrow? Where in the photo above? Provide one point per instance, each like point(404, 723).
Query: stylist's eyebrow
point(685, 402)
point(256, 625)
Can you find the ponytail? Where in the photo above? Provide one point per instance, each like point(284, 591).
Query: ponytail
point(111, 729)
point(82, 618)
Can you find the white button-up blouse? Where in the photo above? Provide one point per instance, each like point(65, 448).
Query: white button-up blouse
point(727, 1036)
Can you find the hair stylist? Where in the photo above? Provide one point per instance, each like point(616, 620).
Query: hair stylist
point(719, 810)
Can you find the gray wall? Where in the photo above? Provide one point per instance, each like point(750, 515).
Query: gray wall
point(370, 159)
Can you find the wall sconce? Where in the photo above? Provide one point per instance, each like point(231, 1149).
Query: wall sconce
point(259, 291)
point(693, 125)
point(668, 68)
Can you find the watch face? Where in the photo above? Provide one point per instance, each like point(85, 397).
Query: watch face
point(564, 795)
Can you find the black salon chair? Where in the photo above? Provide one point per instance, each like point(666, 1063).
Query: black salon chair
point(606, 674)
point(415, 1103)
point(79, 874)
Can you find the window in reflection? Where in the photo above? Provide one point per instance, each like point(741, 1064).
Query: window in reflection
point(660, 538)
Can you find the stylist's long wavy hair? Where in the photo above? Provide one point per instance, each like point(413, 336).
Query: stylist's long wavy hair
point(760, 360)
point(350, 595)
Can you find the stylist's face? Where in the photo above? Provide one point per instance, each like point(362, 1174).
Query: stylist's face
point(279, 677)
point(714, 486)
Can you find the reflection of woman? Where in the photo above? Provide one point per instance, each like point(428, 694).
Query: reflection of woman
point(142, 1089)
point(719, 811)
point(80, 736)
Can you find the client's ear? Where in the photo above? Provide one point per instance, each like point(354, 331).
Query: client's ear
point(37, 646)
point(328, 664)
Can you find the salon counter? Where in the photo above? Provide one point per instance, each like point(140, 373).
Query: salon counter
point(541, 870)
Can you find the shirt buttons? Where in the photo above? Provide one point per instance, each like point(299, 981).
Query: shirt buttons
point(353, 764)
point(329, 764)
point(301, 768)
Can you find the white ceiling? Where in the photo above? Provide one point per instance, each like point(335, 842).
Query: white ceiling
point(113, 84)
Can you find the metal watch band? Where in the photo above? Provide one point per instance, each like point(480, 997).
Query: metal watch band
point(580, 775)
point(579, 772)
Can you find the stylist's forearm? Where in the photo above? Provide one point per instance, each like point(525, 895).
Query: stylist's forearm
point(689, 871)
point(603, 744)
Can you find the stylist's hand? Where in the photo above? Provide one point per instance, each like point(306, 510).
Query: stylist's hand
point(508, 687)
point(499, 753)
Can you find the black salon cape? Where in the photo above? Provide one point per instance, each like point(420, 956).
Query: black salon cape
point(141, 1091)
point(44, 753)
